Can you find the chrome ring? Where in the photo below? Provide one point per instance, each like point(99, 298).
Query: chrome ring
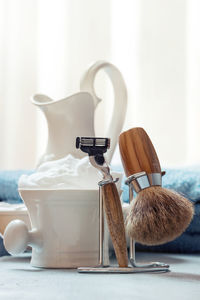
point(142, 180)
point(103, 182)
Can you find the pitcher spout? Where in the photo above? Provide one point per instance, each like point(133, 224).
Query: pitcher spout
point(66, 118)
point(40, 99)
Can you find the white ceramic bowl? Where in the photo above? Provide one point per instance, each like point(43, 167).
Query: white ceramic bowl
point(64, 228)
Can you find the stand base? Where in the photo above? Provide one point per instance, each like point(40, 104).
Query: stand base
point(155, 265)
point(128, 270)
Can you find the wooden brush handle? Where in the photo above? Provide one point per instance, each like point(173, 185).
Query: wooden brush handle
point(137, 152)
point(115, 220)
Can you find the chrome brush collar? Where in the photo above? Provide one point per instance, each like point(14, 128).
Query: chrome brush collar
point(142, 180)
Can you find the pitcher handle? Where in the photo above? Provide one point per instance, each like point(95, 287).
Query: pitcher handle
point(120, 98)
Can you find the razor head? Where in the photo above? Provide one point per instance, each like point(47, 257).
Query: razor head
point(94, 146)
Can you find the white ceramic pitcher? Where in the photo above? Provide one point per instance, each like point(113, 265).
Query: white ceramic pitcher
point(74, 116)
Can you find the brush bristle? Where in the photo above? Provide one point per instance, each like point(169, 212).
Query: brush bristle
point(158, 216)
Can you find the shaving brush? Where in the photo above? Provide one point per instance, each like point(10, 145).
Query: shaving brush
point(157, 215)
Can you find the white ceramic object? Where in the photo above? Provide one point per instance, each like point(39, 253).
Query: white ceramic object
point(74, 116)
point(65, 229)
point(17, 237)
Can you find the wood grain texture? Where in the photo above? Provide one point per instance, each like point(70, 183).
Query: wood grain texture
point(115, 220)
point(137, 152)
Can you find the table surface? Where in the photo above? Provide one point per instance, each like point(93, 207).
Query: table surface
point(18, 280)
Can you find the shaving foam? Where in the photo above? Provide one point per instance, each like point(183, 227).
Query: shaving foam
point(66, 173)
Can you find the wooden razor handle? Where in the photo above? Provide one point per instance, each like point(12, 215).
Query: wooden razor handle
point(115, 221)
point(137, 152)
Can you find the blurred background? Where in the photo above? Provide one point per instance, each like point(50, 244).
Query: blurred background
point(46, 45)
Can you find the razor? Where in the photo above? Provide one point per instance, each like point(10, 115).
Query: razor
point(96, 148)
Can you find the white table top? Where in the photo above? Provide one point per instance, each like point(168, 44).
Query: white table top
point(18, 280)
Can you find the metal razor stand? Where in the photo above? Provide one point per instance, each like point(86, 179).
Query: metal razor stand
point(134, 268)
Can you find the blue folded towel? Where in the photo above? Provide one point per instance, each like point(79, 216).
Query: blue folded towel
point(194, 227)
point(186, 243)
point(9, 185)
point(185, 181)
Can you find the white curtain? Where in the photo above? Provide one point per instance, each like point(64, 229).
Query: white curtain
point(18, 38)
point(46, 45)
